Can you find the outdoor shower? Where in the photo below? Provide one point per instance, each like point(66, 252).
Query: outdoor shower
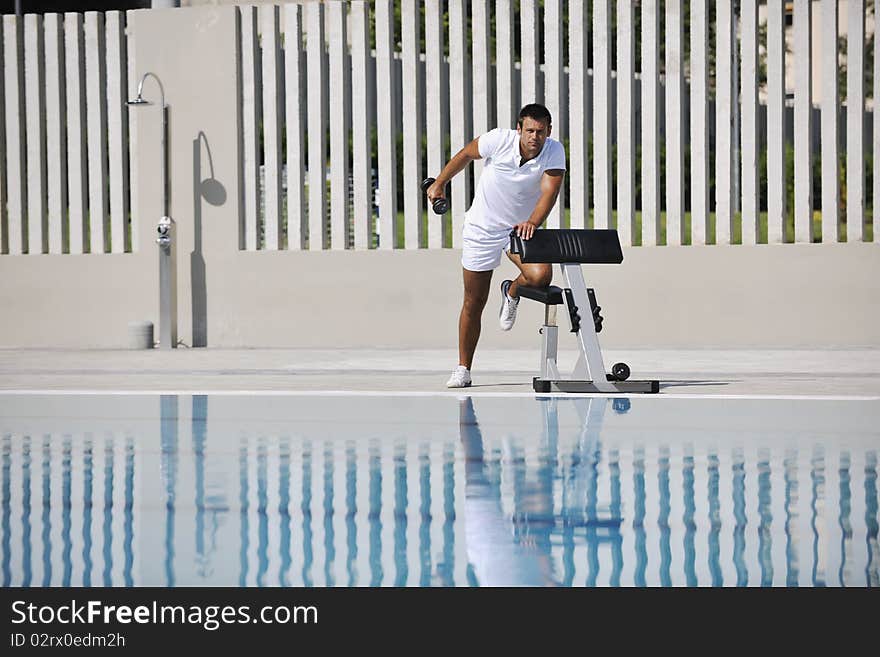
point(165, 228)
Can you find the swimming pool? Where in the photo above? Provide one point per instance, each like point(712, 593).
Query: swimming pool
point(437, 490)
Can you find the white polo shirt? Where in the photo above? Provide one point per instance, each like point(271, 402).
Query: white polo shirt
point(507, 192)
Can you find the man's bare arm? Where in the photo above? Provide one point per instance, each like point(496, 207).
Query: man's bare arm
point(458, 162)
point(551, 183)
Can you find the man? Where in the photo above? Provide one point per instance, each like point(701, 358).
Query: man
point(517, 189)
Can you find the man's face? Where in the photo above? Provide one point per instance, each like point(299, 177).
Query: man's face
point(532, 135)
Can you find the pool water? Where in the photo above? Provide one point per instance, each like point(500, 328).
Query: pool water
point(410, 490)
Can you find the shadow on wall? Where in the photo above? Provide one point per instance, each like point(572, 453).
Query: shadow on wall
point(213, 192)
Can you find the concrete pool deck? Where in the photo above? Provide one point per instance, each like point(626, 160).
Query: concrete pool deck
point(706, 372)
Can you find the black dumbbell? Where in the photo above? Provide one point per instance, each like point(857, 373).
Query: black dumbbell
point(440, 205)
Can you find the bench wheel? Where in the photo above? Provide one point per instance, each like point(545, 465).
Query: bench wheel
point(620, 371)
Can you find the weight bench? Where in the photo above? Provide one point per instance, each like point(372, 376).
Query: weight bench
point(570, 249)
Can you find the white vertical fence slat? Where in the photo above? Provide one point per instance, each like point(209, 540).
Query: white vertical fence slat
point(133, 75)
point(650, 124)
point(251, 117)
point(876, 177)
point(699, 121)
point(77, 165)
point(35, 127)
point(460, 130)
point(674, 123)
point(435, 109)
point(505, 111)
point(13, 78)
point(602, 113)
point(803, 121)
point(724, 146)
point(96, 113)
point(626, 136)
point(480, 58)
point(528, 61)
point(117, 126)
point(293, 125)
point(412, 125)
point(340, 85)
point(578, 173)
point(776, 209)
point(749, 95)
point(830, 123)
point(386, 124)
point(553, 78)
point(362, 211)
point(56, 155)
point(855, 108)
point(316, 124)
point(270, 24)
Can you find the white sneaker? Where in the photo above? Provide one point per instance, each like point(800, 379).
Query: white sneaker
point(461, 378)
point(508, 308)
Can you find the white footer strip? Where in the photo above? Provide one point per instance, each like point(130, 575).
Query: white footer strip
point(456, 394)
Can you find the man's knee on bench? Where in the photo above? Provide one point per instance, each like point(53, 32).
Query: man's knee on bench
point(538, 279)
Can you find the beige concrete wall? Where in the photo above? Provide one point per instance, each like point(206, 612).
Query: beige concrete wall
point(773, 296)
point(75, 301)
point(779, 296)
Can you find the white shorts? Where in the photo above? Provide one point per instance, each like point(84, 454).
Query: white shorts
point(482, 250)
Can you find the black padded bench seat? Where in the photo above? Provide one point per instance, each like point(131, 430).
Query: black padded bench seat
point(550, 296)
point(599, 246)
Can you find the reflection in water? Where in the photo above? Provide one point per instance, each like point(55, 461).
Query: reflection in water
point(503, 550)
point(765, 538)
point(26, 511)
point(872, 572)
point(65, 493)
point(87, 516)
point(552, 492)
point(689, 524)
point(817, 506)
point(843, 518)
point(665, 531)
point(284, 512)
point(714, 522)
point(47, 522)
point(168, 437)
point(791, 518)
point(739, 511)
point(641, 548)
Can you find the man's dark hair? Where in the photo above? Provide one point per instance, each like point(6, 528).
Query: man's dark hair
point(535, 112)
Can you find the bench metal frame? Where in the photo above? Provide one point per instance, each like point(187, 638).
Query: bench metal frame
point(589, 374)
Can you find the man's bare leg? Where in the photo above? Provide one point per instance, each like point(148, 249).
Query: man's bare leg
point(531, 275)
point(476, 292)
